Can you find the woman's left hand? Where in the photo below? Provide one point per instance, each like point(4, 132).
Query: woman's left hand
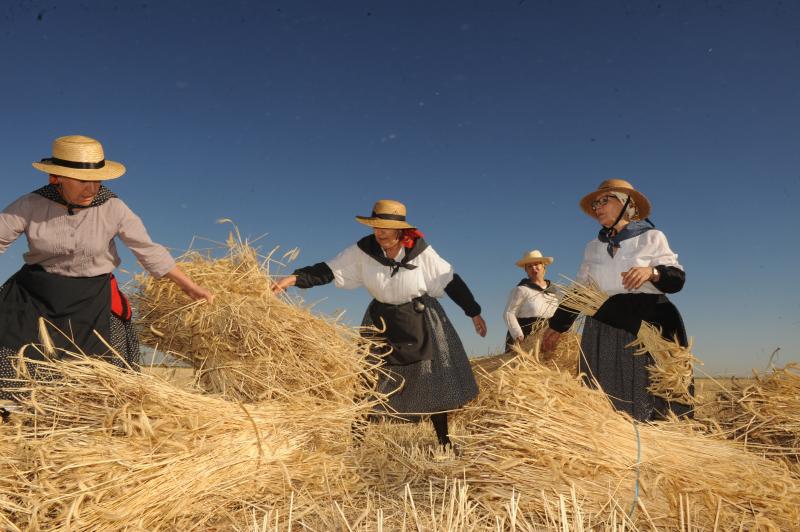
point(480, 325)
point(636, 277)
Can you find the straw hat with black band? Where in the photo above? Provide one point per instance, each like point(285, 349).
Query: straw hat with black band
point(533, 257)
point(639, 200)
point(80, 158)
point(387, 214)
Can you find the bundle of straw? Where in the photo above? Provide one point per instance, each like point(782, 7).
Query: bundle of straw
point(98, 447)
point(251, 345)
point(535, 430)
point(672, 371)
point(564, 357)
point(764, 413)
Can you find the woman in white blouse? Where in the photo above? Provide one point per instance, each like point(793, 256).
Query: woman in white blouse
point(632, 262)
point(533, 299)
point(70, 225)
point(426, 367)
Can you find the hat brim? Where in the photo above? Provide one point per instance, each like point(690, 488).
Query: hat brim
point(380, 223)
point(543, 260)
point(111, 170)
point(641, 201)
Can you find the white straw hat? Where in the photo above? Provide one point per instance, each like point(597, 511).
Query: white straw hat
point(533, 257)
point(81, 158)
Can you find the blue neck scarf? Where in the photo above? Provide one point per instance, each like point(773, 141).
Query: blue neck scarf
point(634, 228)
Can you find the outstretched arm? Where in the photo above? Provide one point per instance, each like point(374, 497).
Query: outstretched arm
point(191, 289)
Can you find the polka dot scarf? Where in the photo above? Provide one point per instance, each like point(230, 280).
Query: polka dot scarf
point(52, 193)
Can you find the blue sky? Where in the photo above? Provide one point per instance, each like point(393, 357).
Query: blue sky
point(488, 119)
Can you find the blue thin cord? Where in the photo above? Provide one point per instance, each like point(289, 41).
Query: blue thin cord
point(638, 461)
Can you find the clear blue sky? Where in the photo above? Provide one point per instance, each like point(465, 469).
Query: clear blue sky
point(488, 119)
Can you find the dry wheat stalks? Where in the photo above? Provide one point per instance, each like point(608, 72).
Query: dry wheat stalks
point(102, 448)
point(764, 414)
point(672, 371)
point(564, 357)
point(251, 345)
point(536, 430)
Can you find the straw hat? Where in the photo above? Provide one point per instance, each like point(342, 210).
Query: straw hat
point(533, 257)
point(617, 185)
point(386, 214)
point(81, 158)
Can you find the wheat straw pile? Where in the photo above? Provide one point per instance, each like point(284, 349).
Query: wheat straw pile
point(764, 414)
point(538, 431)
point(102, 448)
point(564, 357)
point(251, 345)
point(672, 371)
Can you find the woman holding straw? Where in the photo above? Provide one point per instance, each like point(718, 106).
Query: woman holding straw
point(426, 369)
point(532, 301)
point(70, 225)
point(632, 262)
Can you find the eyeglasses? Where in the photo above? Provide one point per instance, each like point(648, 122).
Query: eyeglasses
point(599, 202)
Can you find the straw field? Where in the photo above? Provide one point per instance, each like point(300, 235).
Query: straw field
point(763, 413)
point(262, 438)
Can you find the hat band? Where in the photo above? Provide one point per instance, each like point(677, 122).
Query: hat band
point(396, 217)
point(74, 164)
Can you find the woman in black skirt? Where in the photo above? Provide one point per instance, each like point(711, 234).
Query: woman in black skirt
point(70, 225)
point(632, 262)
point(425, 363)
point(532, 301)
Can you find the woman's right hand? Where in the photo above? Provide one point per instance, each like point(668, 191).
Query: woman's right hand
point(550, 340)
point(283, 284)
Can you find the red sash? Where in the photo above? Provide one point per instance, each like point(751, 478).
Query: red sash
point(119, 303)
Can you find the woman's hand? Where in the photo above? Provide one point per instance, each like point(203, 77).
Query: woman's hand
point(636, 277)
point(188, 286)
point(480, 325)
point(197, 293)
point(283, 284)
point(550, 340)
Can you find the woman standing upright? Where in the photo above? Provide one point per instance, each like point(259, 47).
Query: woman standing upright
point(532, 301)
point(426, 367)
point(70, 225)
point(632, 262)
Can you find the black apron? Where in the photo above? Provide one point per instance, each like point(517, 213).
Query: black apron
point(406, 335)
point(77, 306)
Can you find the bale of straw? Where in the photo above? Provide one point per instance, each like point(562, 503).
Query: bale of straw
point(535, 430)
point(251, 345)
point(763, 414)
point(672, 371)
point(101, 448)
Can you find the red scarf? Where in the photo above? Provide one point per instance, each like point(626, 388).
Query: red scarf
point(409, 237)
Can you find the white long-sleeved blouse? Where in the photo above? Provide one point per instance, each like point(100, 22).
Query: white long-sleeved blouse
point(527, 302)
point(82, 244)
point(647, 249)
point(353, 268)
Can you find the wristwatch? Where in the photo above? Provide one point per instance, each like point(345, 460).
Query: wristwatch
point(655, 275)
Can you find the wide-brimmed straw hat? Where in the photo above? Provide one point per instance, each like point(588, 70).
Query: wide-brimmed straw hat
point(81, 158)
point(386, 214)
point(532, 257)
point(618, 185)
